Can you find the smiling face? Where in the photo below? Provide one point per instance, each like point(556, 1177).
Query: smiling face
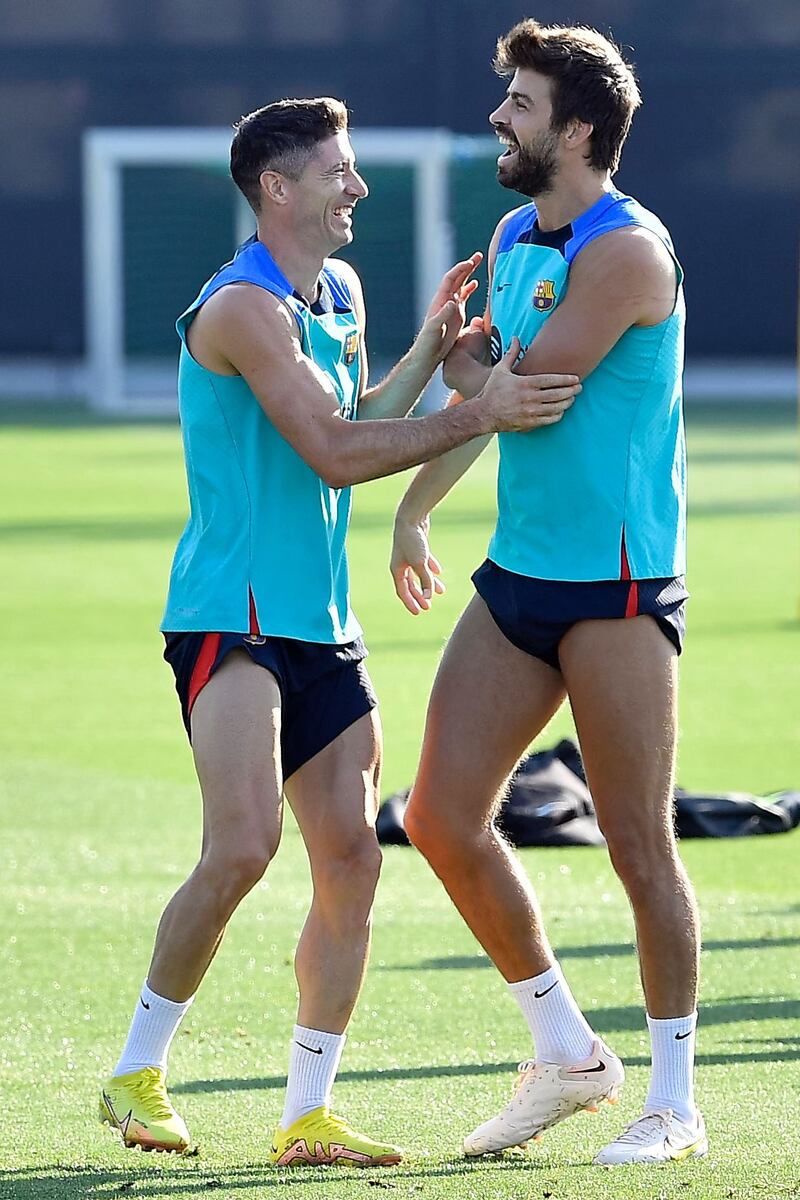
point(325, 194)
point(530, 162)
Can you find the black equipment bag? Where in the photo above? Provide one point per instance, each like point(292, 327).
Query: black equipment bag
point(549, 804)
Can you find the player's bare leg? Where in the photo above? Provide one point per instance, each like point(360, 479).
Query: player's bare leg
point(235, 739)
point(488, 703)
point(334, 797)
point(623, 684)
point(235, 734)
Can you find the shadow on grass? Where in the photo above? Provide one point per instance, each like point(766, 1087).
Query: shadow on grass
point(744, 628)
point(118, 529)
point(762, 414)
point(744, 508)
point(70, 414)
point(739, 507)
point(778, 1053)
point(181, 1178)
point(472, 962)
point(726, 456)
point(482, 517)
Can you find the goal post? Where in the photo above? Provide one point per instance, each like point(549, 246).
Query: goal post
point(129, 380)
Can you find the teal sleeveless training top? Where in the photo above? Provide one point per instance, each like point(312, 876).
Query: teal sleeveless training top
point(601, 494)
point(263, 550)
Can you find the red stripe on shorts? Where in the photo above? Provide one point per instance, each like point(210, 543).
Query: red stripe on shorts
point(632, 606)
point(624, 568)
point(254, 629)
point(203, 667)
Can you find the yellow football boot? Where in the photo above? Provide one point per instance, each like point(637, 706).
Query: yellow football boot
point(139, 1107)
point(319, 1139)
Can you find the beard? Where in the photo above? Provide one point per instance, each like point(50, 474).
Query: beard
point(533, 169)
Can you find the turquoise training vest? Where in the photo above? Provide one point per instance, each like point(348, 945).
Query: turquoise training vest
point(601, 494)
point(263, 550)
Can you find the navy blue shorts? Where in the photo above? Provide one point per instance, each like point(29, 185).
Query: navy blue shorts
point(535, 614)
point(324, 688)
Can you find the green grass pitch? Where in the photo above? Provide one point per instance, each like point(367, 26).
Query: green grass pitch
point(99, 824)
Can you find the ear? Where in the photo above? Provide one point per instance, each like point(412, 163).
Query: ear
point(577, 134)
point(273, 187)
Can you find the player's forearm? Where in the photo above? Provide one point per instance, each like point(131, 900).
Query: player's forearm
point(396, 395)
point(363, 450)
point(435, 479)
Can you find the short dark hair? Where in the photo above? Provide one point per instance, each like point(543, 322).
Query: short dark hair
point(281, 137)
point(590, 81)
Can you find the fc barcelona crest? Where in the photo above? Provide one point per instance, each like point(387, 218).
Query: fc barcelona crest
point(544, 295)
point(350, 349)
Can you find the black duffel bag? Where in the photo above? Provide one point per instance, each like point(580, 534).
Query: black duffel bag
point(549, 804)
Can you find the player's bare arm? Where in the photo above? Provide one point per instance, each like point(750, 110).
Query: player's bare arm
point(469, 361)
point(396, 395)
point(248, 331)
point(620, 280)
point(415, 570)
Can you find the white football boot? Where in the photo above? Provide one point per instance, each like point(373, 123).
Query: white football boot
point(547, 1093)
point(653, 1138)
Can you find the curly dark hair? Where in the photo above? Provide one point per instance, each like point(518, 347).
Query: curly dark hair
point(590, 81)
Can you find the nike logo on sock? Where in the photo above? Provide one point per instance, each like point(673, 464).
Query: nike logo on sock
point(538, 995)
point(147, 1006)
point(679, 1037)
point(310, 1049)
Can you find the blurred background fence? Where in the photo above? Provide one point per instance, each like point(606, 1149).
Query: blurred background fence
point(715, 151)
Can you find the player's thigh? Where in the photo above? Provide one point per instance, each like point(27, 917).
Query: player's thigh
point(334, 796)
point(622, 679)
point(489, 701)
point(236, 723)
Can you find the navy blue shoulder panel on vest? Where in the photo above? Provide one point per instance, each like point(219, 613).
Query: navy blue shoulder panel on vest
point(515, 226)
point(554, 239)
point(252, 263)
point(339, 289)
point(614, 210)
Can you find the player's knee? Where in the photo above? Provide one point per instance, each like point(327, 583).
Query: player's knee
point(428, 828)
point(234, 870)
point(351, 867)
point(638, 858)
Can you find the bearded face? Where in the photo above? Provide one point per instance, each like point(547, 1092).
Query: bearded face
point(528, 167)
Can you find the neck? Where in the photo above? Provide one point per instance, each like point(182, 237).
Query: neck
point(569, 198)
point(300, 264)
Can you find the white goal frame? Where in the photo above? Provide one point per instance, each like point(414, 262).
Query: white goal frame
point(114, 386)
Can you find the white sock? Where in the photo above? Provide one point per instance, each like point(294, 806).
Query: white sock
point(561, 1033)
point(313, 1062)
point(672, 1082)
point(154, 1025)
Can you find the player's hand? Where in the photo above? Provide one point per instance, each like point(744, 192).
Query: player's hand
point(414, 569)
point(516, 403)
point(446, 313)
point(470, 349)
